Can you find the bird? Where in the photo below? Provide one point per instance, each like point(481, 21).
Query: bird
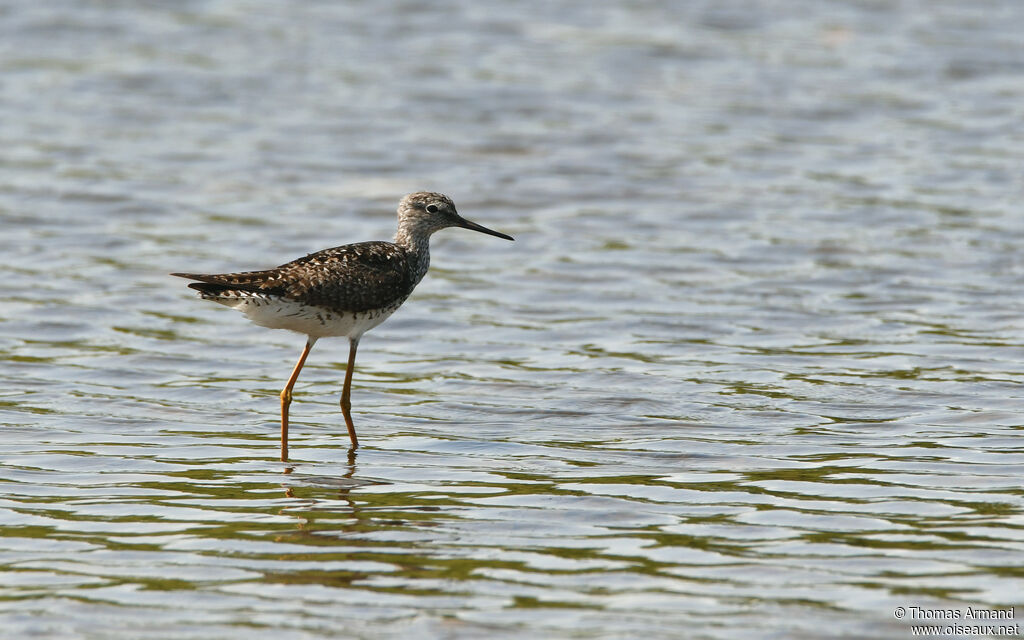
point(341, 291)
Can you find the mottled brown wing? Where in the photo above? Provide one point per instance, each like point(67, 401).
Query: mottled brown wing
point(354, 277)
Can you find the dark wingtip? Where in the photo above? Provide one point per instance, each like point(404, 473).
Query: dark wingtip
point(209, 289)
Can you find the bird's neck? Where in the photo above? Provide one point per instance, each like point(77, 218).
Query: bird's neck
point(417, 246)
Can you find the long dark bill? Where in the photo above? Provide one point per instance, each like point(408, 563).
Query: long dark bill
point(466, 224)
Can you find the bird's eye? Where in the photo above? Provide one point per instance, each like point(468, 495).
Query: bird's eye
point(431, 208)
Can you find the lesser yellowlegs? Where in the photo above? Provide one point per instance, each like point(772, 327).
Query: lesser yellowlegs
point(344, 291)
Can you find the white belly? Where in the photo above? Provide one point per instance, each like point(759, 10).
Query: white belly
point(313, 321)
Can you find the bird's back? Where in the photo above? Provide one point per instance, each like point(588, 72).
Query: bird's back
point(339, 291)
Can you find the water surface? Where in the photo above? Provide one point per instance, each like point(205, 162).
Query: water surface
point(752, 367)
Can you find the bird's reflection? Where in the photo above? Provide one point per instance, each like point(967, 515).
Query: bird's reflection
point(345, 482)
point(306, 509)
point(327, 509)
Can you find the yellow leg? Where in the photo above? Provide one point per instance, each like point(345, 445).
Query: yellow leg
point(286, 398)
point(346, 392)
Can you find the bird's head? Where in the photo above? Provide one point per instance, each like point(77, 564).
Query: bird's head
point(424, 212)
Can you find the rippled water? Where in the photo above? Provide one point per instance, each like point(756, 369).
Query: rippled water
point(752, 368)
